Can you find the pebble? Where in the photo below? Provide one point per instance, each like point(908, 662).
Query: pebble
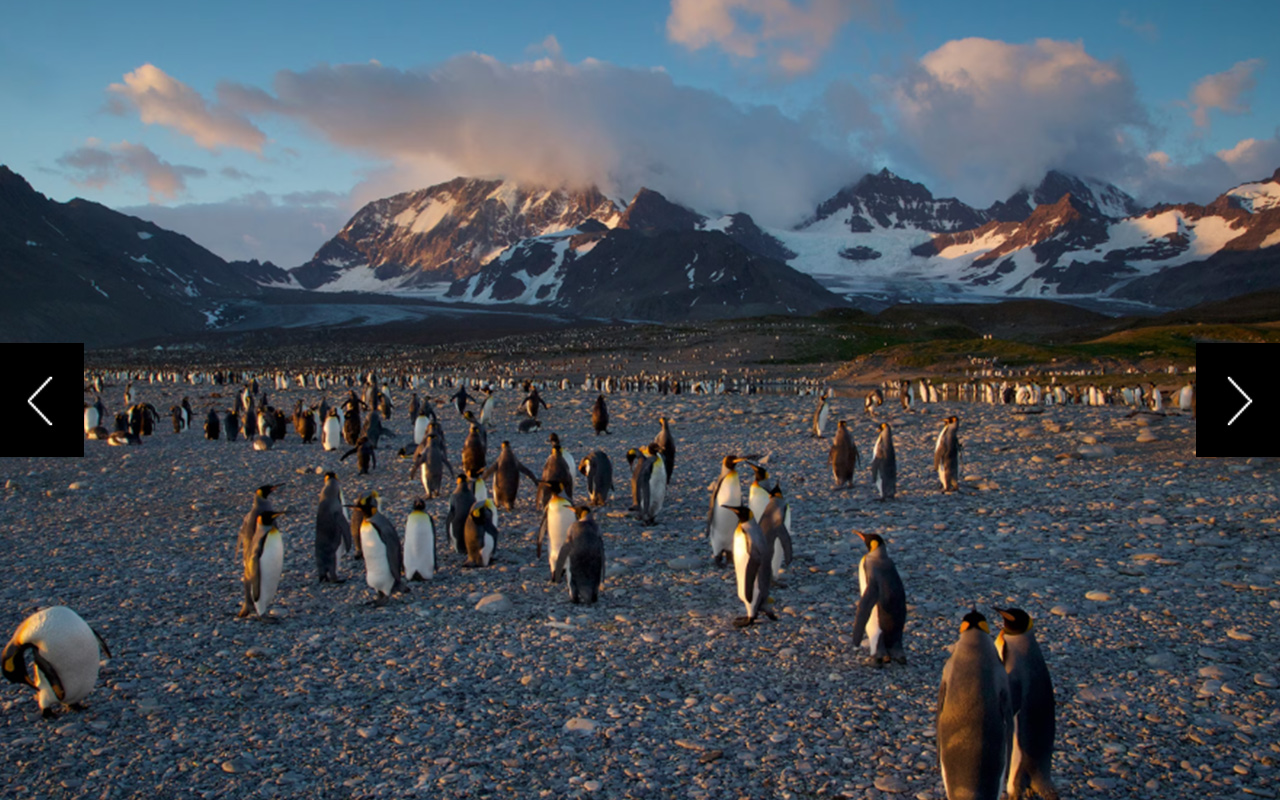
point(580, 725)
point(684, 563)
point(1095, 451)
point(494, 603)
point(1098, 596)
point(891, 784)
point(1265, 679)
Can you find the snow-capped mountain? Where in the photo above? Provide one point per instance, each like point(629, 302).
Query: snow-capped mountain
point(445, 232)
point(1101, 198)
point(661, 261)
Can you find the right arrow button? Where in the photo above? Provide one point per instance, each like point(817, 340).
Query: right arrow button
point(1248, 401)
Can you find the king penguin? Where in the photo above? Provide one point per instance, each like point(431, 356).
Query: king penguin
point(843, 456)
point(882, 604)
point(884, 464)
point(383, 553)
point(1031, 760)
point(752, 560)
point(582, 558)
point(598, 470)
point(651, 484)
point(481, 535)
point(65, 651)
point(419, 543)
point(600, 416)
point(249, 525)
point(946, 455)
point(726, 494)
point(775, 521)
point(667, 444)
point(264, 563)
point(460, 504)
point(821, 414)
point(975, 715)
point(557, 517)
point(757, 494)
point(505, 473)
point(332, 529)
point(331, 433)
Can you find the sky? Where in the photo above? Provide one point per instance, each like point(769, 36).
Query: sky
point(258, 129)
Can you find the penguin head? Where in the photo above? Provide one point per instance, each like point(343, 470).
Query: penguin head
point(556, 487)
point(872, 541)
point(330, 476)
point(419, 504)
point(267, 519)
point(743, 512)
point(974, 620)
point(762, 474)
point(730, 462)
point(776, 491)
point(265, 490)
point(582, 466)
point(632, 455)
point(583, 513)
point(1016, 621)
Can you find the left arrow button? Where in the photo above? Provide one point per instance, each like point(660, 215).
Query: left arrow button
point(31, 401)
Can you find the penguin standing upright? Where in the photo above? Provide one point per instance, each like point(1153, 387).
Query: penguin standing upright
point(65, 651)
point(556, 468)
point(383, 552)
point(212, 426)
point(486, 407)
point(505, 473)
point(331, 433)
point(557, 517)
point(946, 455)
point(474, 457)
point(752, 560)
point(598, 470)
point(264, 563)
point(354, 540)
point(775, 521)
point(366, 455)
point(757, 494)
point(249, 525)
point(419, 543)
point(820, 415)
point(667, 445)
point(481, 535)
point(975, 715)
point(882, 604)
point(884, 464)
point(420, 423)
point(722, 520)
point(651, 484)
point(600, 415)
point(332, 530)
point(843, 456)
point(1031, 759)
point(231, 424)
point(431, 463)
point(582, 558)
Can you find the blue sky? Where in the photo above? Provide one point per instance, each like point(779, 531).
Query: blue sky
point(259, 131)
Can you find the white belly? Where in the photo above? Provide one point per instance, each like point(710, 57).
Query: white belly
point(758, 500)
point(560, 517)
point(332, 434)
point(377, 569)
point(419, 546)
point(724, 521)
point(419, 429)
point(269, 568)
point(486, 552)
point(67, 642)
point(657, 487)
point(740, 555)
point(90, 419)
point(823, 414)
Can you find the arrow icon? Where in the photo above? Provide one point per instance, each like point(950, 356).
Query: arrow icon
point(1248, 401)
point(32, 398)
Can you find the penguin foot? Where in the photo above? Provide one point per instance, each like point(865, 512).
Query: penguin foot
point(768, 613)
point(743, 622)
point(244, 612)
point(47, 713)
point(777, 584)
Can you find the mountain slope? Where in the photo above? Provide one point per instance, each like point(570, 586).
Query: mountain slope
point(80, 272)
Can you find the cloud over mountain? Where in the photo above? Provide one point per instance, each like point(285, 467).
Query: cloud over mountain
point(97, 166)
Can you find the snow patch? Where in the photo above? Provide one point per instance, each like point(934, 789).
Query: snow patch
point(424, 220)
point(32, 244)
point(722, 224)
point(1272, 240)
point(1255, 197)
point(143, 235)
point(141, 259)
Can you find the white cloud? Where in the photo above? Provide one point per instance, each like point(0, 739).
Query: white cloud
point(987, 117)
point(552, 122)
point(162, 100)
point(1223, 91)
point(792, 35)
point(98, 166)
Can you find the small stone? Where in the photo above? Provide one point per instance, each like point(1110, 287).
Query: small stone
point(255, 652)
point(891, 784)
point(1102, 784)
point(1154, 519)
point(591, 786)
point(1239, 635)
point(234, 766)
point(1145, 435)
point(1095, 451)
point(1265, 679)
point(494, 603)
point(1062, 611)
point(1098, 596)
point(580, 725)
point(684, 563)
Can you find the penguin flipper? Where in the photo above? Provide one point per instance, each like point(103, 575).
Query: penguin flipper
point(753, 569)
point(542, 530)
point(349, 452)
point(866, 604)
point(102, 642)
point(528, 473)
point(48, 673)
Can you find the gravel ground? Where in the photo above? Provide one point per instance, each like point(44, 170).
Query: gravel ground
point(1152, 577)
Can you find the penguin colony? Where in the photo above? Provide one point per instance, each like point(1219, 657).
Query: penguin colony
point(995, 712)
